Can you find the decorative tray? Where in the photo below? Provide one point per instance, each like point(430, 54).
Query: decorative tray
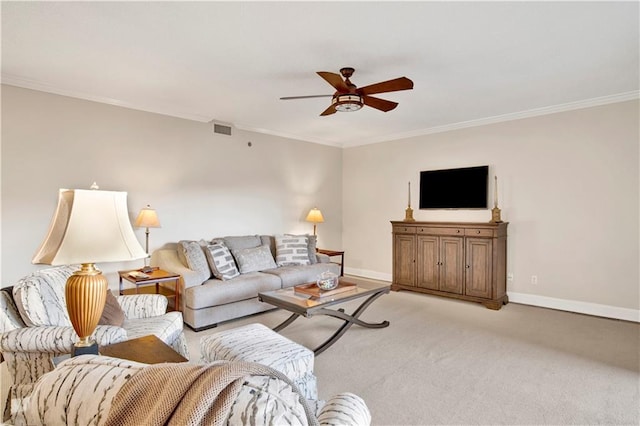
point(312, 289)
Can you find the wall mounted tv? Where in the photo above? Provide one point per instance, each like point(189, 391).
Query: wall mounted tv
point(464, 188)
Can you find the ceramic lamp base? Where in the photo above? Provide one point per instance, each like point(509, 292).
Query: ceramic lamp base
point(85, 294)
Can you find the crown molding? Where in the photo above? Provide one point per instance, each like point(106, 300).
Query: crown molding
point(285, 135)
point(553, 109)
point(25, 83)
point(13, 80)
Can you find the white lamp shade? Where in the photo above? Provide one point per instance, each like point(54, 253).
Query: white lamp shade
point(147, 218)
point(315, 216)
point(89, 226)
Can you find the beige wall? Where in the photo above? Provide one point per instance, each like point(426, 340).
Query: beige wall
point(202, 184)
point(568, 185)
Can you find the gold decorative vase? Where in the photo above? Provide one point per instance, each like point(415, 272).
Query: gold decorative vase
point(85, 293)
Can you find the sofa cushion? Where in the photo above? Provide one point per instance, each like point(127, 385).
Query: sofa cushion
point(40, 298)
point(241, 242)
point(221, 261)
point(254, 259)
point(112, 314)
point(311, 246)
point(9, 316)
point(295, 275)
point(166, 327)
point(292, 250)
point(195, 258)
point(217, 292)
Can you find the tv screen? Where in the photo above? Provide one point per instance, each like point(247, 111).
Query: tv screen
point(464, 188)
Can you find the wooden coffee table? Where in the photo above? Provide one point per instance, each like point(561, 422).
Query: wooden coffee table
point(301, 304)
point(146, 349)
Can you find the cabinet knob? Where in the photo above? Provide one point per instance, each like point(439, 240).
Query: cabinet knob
point(458, 231)
point(468, 266)
point(478, 232)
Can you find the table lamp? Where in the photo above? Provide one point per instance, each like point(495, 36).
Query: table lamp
point(88, 227)
point(147, 218)
point(315, 216)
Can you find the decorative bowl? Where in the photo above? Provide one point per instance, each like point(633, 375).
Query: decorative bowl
point(327, 281)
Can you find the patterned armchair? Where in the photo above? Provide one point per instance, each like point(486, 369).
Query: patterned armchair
point(262, 399)
point(35, 328)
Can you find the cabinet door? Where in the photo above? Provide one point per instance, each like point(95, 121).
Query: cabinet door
point(404, 259)
point(478, 267)
point(451, 264)
point(428, 262)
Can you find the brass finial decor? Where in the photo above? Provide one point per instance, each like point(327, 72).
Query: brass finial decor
point(408, 213)
point(495, 211)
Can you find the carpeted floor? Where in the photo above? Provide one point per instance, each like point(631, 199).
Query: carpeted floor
point(443, 361)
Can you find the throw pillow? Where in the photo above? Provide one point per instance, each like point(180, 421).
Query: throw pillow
point(311, 247)
point(196, 260)
point(254, 259)
point(292, 250)
point(221, 261)
point(112, 313)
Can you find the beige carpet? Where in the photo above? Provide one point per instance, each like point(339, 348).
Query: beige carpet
point(443, 361)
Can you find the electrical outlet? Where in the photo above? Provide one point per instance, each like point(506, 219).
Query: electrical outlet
point(534, 279)
point(510, 276)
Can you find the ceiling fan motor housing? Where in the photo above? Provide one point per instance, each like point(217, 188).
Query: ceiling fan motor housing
point(347, 102)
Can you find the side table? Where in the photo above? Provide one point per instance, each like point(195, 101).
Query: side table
point(332, 253)
point(146, 349)
point(156, 277)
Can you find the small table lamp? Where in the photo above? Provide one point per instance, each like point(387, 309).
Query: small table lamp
point(88, 227)
point(147, 218)
point(315, 216)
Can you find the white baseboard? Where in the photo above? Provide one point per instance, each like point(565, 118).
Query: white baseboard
point(595, 309)
point(576, 306)
point(365, 273)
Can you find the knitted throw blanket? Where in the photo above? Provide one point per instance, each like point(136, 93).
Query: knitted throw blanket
point(187, 394)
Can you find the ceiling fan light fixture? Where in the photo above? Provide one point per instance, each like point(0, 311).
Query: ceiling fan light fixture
point(347, 102)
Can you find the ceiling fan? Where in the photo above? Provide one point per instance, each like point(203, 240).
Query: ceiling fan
point(348, 97)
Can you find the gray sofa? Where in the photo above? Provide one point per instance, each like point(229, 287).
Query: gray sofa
point(206, 300)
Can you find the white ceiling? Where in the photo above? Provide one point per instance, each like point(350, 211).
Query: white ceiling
point(471, 62)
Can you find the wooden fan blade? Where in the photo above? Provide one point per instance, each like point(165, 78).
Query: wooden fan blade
point(402, 83)
point(335, 80)
point(377, 103)
point(286, 98)
point(329, 111)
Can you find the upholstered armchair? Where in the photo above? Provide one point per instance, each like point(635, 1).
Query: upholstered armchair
point(35, 328)
point(262, 398)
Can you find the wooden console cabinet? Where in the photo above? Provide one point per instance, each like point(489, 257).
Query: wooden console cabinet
point(463, 260)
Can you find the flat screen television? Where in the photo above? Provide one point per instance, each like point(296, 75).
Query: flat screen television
point(464, 188)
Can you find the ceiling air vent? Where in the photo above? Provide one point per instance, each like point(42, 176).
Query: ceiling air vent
point(223, 130)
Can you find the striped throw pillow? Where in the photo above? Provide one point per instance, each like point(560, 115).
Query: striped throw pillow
point(292, 250)
point(221, 261)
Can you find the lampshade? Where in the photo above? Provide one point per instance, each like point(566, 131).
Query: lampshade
point(315, 216)
point(89, 226)
point(147, 218)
